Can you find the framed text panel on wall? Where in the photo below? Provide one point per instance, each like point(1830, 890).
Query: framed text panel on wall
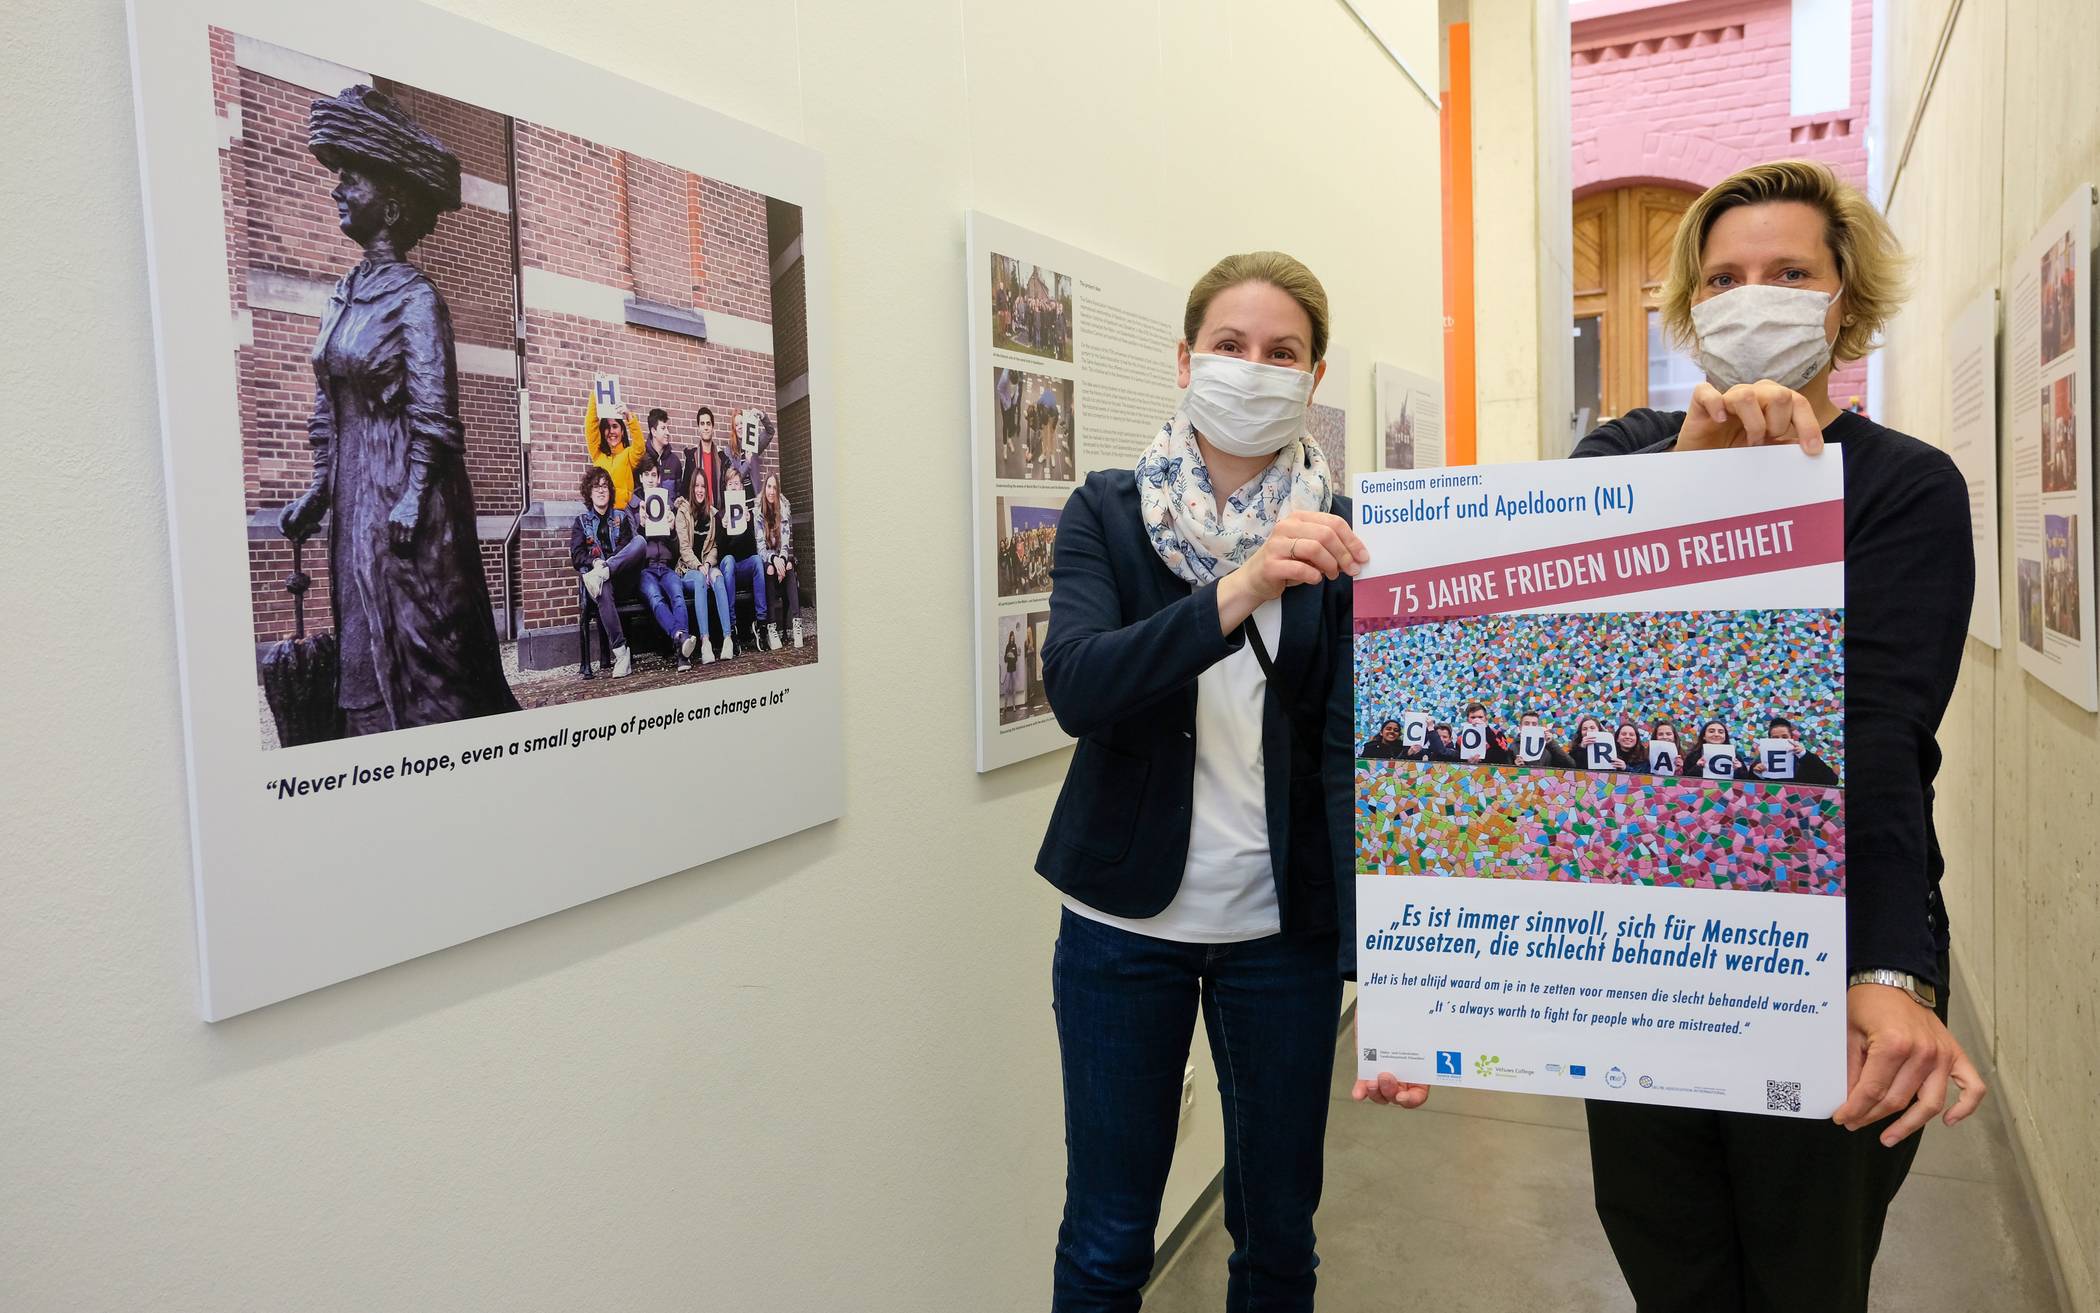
point(495, 393)
point(1972, 440)
point(1072, 370)
point(2049, 371)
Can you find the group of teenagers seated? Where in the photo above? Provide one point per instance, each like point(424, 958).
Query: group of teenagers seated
point(1659, 750)
point(681, 525)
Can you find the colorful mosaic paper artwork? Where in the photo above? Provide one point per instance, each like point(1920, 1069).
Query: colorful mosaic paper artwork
point(1417, 818)
point(1739, 667)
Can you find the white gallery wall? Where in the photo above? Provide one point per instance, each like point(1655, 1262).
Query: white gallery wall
point(819, 1075)
point(2007, 123)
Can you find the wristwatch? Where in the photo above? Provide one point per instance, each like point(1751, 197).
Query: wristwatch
point(1921, 992)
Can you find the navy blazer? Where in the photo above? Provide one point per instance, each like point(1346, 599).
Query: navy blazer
point(1128, 638)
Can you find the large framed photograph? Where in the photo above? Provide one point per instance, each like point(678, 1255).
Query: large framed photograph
point(499, 480)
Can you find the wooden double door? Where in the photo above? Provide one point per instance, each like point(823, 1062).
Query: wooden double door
point(1622, 254)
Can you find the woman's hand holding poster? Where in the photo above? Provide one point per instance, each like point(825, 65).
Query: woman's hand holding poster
point(1665, 923)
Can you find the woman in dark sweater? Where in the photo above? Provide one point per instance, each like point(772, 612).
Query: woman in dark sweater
point(1777, 273)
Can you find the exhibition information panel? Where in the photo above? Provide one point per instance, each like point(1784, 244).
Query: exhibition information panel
point(1600, 841)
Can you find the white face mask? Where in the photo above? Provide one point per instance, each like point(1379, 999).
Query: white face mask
point(1244, 408)
point(1759, 331)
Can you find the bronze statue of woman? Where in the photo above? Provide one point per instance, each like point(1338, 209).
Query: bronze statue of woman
point(414, 631)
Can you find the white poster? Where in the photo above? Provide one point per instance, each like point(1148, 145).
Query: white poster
point(1592, 925)
point(2049, 349)
point(1327, 419)
point(1071, 370)
point(432, 689)
point(1972, 440)
point(1408, 419)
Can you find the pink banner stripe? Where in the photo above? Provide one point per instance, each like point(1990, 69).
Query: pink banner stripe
point(1788, 538)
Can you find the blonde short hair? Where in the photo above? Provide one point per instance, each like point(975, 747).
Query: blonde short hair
point(1870, 263)
point(1283, 272)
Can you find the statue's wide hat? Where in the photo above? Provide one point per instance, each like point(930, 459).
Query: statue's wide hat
point(364, 125)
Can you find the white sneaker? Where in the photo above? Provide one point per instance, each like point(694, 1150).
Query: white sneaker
point(685, 648)
point(728, 646)
point(773, 637)
point(797, 627)
point(594, 580)
point(623, 662)
point(707, 655)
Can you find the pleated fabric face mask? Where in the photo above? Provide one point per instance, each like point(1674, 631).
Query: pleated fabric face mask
point(1758, 332)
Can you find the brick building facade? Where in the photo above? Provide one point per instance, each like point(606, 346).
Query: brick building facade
point(567, 260)
point(1681, 94)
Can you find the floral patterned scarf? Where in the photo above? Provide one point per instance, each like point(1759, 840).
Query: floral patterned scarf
point(1198, 539)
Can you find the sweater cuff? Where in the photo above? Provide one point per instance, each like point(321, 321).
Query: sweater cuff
point(1869, 949)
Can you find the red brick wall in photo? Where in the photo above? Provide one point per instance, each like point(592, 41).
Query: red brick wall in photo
point(739, 271)
point(567, 192)
point(658, 234)
point(635, 227)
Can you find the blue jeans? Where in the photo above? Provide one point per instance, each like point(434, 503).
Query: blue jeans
point(751, 571)
point(627, 558)
point(1126, 1010)
point(608, 615)
point(666, 598)
point(698, 584)
point(616, 565)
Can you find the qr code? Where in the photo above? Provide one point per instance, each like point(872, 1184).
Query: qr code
point(1370, 1055)
point(1782, 1096)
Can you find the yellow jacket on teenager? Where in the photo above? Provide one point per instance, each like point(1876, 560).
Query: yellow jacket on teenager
point(618, 464)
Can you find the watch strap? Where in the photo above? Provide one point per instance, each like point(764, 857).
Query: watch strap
point(1921, 992)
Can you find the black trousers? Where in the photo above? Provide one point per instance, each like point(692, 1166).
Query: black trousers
point(1726, 1212)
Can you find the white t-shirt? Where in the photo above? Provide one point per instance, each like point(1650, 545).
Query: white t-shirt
point(1228, 888)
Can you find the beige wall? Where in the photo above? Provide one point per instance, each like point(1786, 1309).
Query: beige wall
point(2010, 126)
point(1523, 229)
point(818, 1076)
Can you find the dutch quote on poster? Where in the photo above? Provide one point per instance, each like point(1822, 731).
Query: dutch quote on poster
point(1600, 842)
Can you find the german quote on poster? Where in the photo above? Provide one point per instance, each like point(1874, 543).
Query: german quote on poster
point(1600, 839)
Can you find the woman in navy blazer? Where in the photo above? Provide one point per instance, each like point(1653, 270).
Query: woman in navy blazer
point(1199, 650)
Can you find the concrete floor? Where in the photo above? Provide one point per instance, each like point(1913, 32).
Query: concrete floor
point(1481, 1203)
